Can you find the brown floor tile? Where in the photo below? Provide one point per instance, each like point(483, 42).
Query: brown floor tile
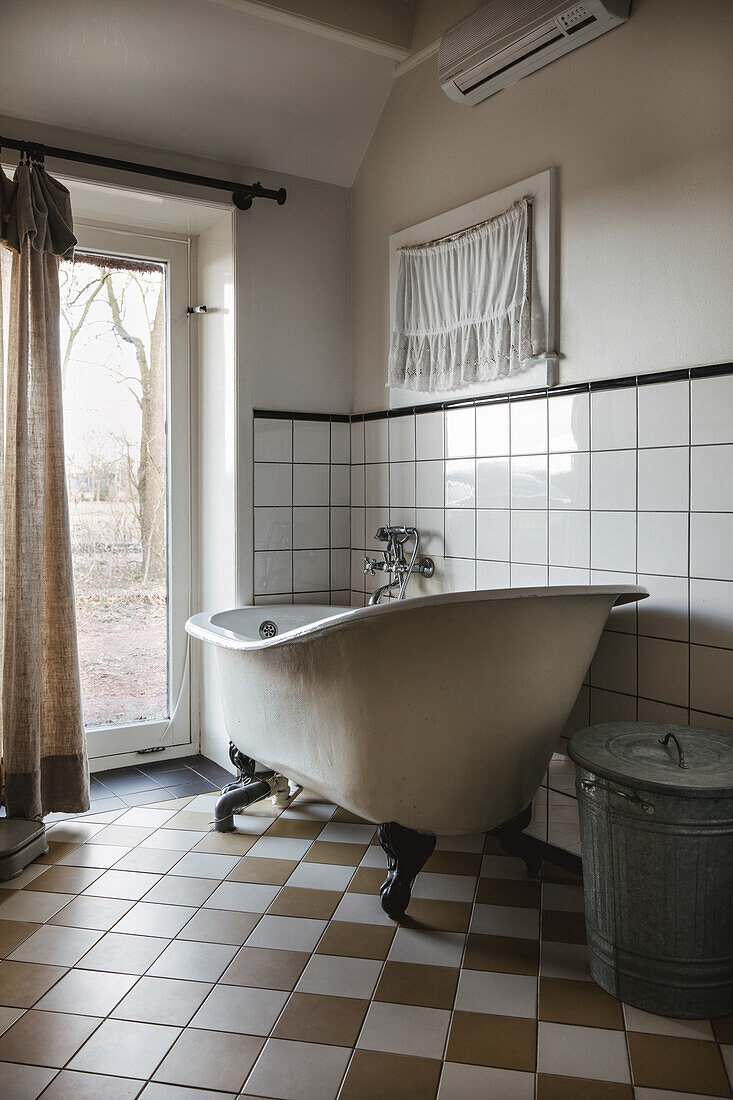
point(563, 927)
point(56, 850)
point(685, 1065)
point(346, 817)
point(492, 847)
point(295, 901)
point(443, 916)
point(70, 1085)
point(265, 968)
point(296, 830)
point(550, 873)
point(326, 851)
point(505, 954)
point(219, 926)
point(46, 1038)
point(210, 1060)
point(189, 819)
point(575, 1088)
point(21, 984)
point(723, 1028)
point(360, 941)
point(12, 933)
point(372, 1074)
point(454, 863)
point(226, 844)
point(65, 880)
point(267, 872)
point(507, 891)
point(367, 880)
point(417, 984)
point(583, 1003)
point(312, 1018)
point(507, 1042)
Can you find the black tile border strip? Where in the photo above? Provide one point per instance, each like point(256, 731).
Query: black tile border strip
point(712, 370)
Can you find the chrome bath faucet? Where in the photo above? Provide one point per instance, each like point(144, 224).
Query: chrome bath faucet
point(395, 563)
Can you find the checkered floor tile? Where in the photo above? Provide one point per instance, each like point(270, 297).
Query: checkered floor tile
point(146, 956)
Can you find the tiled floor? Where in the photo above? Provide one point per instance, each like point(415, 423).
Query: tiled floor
point(147, 956)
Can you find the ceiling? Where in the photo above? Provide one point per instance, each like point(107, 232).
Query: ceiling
point(209, 78)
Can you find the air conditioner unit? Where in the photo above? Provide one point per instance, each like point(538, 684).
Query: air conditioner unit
point(508, 39)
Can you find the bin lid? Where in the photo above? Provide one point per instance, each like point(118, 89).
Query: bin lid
point(631, 753)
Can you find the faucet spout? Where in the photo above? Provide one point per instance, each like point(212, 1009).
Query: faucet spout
point(395, 563)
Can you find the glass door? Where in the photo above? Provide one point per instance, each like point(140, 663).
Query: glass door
point(125, 360)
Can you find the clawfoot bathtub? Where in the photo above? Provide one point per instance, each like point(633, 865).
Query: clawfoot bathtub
point(431, 715)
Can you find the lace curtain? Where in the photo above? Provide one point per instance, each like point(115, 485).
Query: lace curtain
point(462, 306)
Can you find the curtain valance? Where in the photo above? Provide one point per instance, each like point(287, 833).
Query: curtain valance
point(462, 306)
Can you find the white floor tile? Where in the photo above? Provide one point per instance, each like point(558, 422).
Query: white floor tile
point(239, 1009)
point(95, 855)
point(638, 1020)
point(130, 885)
point(473, 842)
point(279, 847)
point(347, 833)
point(497, 994)
point(562, 898)
point(74, 832)
point(8, 1016)
point(506, 920)
point(145, 816)
point(321, 876)
point(33, 905)
point(175, 890)
point(157, 861)
point(25, 1082)
point(205, 963)
point(243, 897)
point(592, 1052)
point(503, 867)
point(122, 834)
point(423, 945)
point(362, 909)
point(405, 1029)
point(174, 840)
point(565, 960)
point(206, 865)
point(298, 1071)
point(375, 856)
point(30, 874)
point(340, 976)
point(92, 992)
point(287, 933)
point(309, 811)
point(463, 1082)
point(444, 887)
point(56, 945)
point(154, 919)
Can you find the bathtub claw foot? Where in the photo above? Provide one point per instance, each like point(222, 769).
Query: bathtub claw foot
point(513, 841)
point(407, 852)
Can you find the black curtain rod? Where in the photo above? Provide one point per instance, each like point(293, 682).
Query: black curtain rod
point(242, 193)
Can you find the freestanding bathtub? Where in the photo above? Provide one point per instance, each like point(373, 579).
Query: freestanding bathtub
point(431, 715)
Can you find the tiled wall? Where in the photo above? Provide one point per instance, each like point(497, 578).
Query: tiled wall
point(625, 482)
point(301, 514)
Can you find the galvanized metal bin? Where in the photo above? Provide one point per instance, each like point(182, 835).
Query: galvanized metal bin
point(656, 827)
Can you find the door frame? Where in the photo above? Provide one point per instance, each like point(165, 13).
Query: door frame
point(114, 746)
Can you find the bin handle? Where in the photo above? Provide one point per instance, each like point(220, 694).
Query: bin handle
point(665, 741)
point(593, 785)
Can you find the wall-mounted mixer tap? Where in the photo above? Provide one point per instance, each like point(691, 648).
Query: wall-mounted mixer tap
point(395, 563)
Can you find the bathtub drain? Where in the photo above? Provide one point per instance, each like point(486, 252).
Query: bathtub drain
point(268, 629)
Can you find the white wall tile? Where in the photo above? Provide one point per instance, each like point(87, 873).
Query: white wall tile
point(613, 541)
point(711, 613)
point(492, 534)
point(528, 576)
point(310, 484)
point(273, 528)
point(460, 483)
point(402, 517)
point(712, 478)
point(665, 613)
point(376, 440)
point(310, 570)
point(569, 481)
point(430, 480)
point(377, 485)
point(529, 537)
point(711, 540)
point(613, 419)
point(340, 486)
point(664, 414)
point(357, 570)
point(273, 440)
point(357, 441)
point(460, 433)
point(460, 532)
point(622, 618)
point(430, 522)
point(611, 706)
point(460, 574)
point(664, 671)
point(429, 436)
point(273, 572)
point(492, 483)
point(711, 680)
point(529, 481)
point(649, 710)
point(311, 441)
point(569, 419)
point(528, 421)
point(711, 721)
point(358, 486)
point(492, 430)
point(340, 567)
point(358, 527)
point(613, 481)
point(663, 543)
point(402, 484)
point(492, 574)
point(273, 483)
point(402, 438)
point(664, 479)
point(560, 574)
point(311, 528)
point(570, 539)
point(614, 663)
point(320, 598)
point(340, 521)
point(340, 441)
point(712, 401)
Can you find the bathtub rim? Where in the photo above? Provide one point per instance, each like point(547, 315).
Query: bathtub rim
point(201, 625)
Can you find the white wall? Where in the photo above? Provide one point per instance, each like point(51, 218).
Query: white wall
point(639, 125)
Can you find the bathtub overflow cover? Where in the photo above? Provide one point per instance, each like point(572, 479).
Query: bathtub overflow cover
point(268, 629)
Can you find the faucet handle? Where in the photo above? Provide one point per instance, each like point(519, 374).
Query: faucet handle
point(370, 566)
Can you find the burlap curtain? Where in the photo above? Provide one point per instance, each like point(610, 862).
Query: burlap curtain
point(41, 725)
